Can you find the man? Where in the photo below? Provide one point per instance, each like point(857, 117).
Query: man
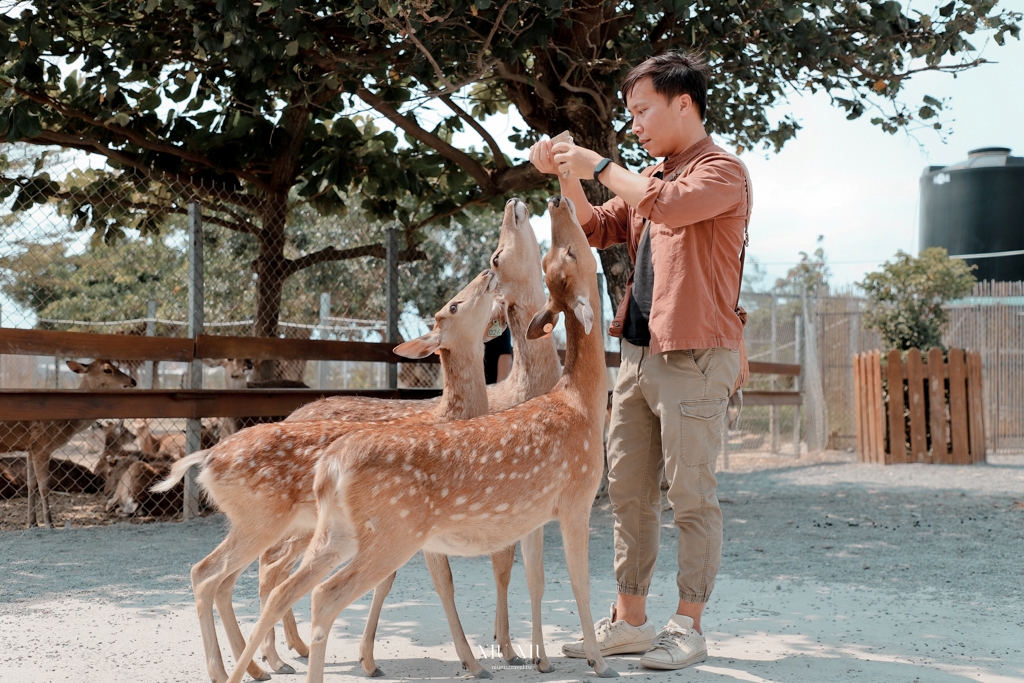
point(684, 221)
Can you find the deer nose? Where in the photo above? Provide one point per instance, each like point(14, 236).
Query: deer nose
point(134, 383)
point(556, 200)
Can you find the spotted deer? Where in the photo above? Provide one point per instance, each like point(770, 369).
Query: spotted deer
point(280, 459)
point(468, 487)
point(42, 437)
point(535, 370)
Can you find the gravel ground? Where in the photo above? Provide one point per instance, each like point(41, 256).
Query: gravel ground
point(832, 570)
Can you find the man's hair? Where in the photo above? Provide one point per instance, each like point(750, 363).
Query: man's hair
point(673, 74)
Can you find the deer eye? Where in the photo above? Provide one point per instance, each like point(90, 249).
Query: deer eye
point(454, 308)
point(108, 371)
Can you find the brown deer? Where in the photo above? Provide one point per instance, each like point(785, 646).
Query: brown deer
point(42, 437)
point(468, 487)
point(287, 452)
point(535, 370)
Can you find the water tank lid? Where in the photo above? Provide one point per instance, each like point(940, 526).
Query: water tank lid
point(1000, 151)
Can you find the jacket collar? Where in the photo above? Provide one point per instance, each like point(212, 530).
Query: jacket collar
point(679, 161)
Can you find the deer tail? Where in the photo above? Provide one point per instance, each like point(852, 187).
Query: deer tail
point(178, 471)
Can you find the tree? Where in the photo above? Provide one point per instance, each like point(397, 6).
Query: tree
point(810, 272)
point(907, 297)
point(258, 107)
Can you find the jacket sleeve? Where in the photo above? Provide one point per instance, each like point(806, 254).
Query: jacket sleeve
point(609, 225)
point(715, 188)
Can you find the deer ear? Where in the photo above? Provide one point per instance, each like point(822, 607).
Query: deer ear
point(498, 321)
point(542, 324)
point(420, 347)
point(76, 366)
point(584, 313)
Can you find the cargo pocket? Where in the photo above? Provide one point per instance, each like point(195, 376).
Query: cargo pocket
point(700, 430)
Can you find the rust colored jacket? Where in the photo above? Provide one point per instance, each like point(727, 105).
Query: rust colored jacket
point(697, 232)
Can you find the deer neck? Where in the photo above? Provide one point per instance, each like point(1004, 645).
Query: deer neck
point(585, 372)
point(535, 364)
point(465, 389)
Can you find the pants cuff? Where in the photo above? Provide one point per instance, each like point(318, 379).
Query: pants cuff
point(687, 596)
point(632, 589)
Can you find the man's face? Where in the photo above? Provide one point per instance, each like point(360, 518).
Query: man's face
point(657, 121)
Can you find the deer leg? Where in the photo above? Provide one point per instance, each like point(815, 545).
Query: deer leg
point(291, 629)
point(575, 540)
point(274, 567)
point(367, 569)
point(441, 575)
point(41, 466)
point(235, 552)
point(533, 561)
point(335, 546)
point(501, 562)
point(230, 624)
point(366, 659)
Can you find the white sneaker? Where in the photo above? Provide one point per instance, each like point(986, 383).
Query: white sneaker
point(615, 638)
point(677, 646)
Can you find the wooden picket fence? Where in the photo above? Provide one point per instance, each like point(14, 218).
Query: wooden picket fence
point(936, 415)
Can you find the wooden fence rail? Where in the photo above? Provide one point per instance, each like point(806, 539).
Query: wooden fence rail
point(920, 412)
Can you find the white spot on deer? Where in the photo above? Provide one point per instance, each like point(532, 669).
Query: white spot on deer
point(488, 489)
point(460, 500)
point(444, 493)
point(418, 534)
point(475, 506)
point(501, 508)
point(536, 469)
point(456, 518)
point(583, 469)
point(586, 444)
point(501, 476)
point(403, 513)
point(484, 515)
point(393, 499)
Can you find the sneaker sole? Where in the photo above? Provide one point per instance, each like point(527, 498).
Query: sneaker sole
point(630, 649)
point(669, 666)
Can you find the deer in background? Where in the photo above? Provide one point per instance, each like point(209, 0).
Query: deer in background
point(468, 487)
point(535, 370)
point(284, 455)
point(42, 437)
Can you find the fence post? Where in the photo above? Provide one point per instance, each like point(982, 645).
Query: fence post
point(195, 327)
point(773, 411)
point(148, 367)
point(392, 303)
point(325, 312)
point(798, 327)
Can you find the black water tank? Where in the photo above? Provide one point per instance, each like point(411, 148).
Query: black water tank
point(977, 207)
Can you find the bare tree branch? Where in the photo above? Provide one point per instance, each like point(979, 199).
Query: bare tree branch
point(499, 158)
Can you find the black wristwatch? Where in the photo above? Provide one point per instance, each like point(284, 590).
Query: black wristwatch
point(601, 165)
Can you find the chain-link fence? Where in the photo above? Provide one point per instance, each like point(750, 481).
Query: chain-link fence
point(990, 321)
point(86, 247)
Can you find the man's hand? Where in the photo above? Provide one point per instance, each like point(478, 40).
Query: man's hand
point(573, 161)
point(540, 157)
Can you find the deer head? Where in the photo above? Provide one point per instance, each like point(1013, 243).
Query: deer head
point(570, 271)
point(101, 374)
point(471, 317)
point(516, 261)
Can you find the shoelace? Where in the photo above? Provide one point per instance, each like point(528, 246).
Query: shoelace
point(666, 638)
point(602, 625)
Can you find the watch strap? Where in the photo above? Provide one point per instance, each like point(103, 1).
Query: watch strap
point(601, 165)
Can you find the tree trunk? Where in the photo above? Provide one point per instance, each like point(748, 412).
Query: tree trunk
point(270, 278)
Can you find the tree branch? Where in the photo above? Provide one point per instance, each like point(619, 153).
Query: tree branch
point(329, 254)
point(499, 158)
point(126, 133)
point(460, 158)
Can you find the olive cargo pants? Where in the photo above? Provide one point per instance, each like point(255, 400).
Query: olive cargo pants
point(667, 417)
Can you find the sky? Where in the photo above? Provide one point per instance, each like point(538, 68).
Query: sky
point(857, 185)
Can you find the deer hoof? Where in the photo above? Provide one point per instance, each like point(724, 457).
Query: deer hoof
point(515, 660)
point(284, 669)
point(484, 673)
point(606, 672)
point(377, 673)
point(544, 667)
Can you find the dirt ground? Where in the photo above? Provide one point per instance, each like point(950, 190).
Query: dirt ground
point(832, 570)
